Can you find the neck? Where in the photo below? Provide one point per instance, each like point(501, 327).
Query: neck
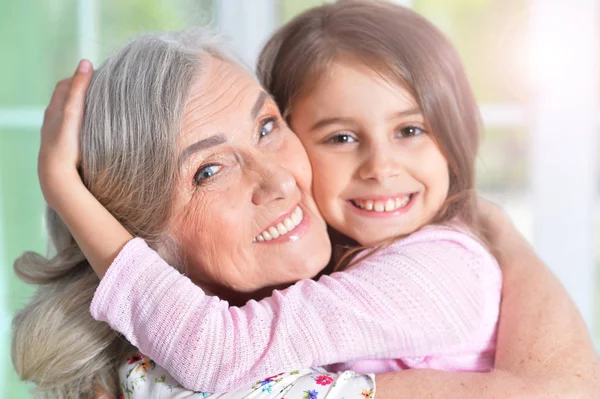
point(235, 298)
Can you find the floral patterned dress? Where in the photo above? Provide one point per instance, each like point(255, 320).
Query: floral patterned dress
point(142, 378)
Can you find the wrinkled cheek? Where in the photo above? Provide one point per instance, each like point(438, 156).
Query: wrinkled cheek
point(192, 220)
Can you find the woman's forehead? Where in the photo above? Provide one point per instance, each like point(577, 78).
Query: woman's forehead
point(222, 97)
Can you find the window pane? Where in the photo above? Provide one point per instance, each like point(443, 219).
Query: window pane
point(503, 173)
point(489, 35)
point(39, 46)
point(123, 20)
point(494, 172)
point(21, 210)
point(597, 246)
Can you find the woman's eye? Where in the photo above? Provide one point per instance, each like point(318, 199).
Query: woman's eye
point(206, 172)
point(410, 131)
point(341, 139)
point(267, 127)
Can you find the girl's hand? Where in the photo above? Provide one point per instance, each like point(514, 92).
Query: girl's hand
point(99, 235)
point(59, 150)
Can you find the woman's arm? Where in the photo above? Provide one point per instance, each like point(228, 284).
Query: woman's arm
point(544, 349)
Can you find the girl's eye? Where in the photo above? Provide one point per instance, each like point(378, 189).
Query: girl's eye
point(206, 172)
point(341, 139)
point(267, 127)
point(410, 131)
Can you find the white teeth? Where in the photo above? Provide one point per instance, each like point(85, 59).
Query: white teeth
point(288, 224)
point(281, 229)
point(383, 206)
point(296, 218)
point(273, 231)
point(390, 205)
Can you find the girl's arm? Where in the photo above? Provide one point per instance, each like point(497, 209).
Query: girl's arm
point(61, 185)
point(396, 305)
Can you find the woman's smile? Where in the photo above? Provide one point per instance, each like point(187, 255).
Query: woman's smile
point(289, 227)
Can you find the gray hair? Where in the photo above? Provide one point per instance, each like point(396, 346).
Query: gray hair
point(133, 114)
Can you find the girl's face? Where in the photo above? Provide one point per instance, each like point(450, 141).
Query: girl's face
point(377, 172)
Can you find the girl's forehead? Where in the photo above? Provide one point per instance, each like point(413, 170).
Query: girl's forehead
point(349, 84)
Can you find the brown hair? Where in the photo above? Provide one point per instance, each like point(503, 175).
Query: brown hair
point(401, 46)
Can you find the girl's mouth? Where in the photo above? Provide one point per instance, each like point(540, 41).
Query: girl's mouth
point(383, 205)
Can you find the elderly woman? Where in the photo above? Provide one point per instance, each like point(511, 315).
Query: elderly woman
point(159, 116)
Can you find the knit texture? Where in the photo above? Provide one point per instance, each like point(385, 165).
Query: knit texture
point(428, 301)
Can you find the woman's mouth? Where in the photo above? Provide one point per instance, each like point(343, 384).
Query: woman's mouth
point(383, 205)
point(287, 226)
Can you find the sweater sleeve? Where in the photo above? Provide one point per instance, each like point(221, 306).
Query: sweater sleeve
point(420, 295)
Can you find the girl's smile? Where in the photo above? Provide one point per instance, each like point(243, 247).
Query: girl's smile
point(383, 207)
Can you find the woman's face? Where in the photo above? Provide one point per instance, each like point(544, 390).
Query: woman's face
point(245, 216)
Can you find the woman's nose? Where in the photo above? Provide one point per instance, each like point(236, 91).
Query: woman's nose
point(275, 182)
point(380, 163)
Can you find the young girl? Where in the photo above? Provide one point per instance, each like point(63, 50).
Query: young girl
point(379, 99)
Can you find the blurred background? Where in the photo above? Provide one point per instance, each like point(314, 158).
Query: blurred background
point(534, 66)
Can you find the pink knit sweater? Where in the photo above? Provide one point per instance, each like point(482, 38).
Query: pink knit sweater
point(428, 301)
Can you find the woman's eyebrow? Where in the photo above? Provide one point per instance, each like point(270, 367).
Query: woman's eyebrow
point(258, 104)
point(220, 138)
point(201, 145)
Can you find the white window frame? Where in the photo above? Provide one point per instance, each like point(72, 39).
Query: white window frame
point(564, 125)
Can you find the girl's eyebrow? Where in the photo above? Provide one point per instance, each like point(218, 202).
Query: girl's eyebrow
point(330, 121)
point(407, 112)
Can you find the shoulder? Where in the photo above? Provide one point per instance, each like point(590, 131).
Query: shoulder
point(439, 238)
point(140, 377)
point(438, 247)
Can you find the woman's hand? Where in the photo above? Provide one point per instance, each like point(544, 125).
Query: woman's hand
point(59, 150)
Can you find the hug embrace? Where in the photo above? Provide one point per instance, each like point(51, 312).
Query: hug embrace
point(312, 232)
